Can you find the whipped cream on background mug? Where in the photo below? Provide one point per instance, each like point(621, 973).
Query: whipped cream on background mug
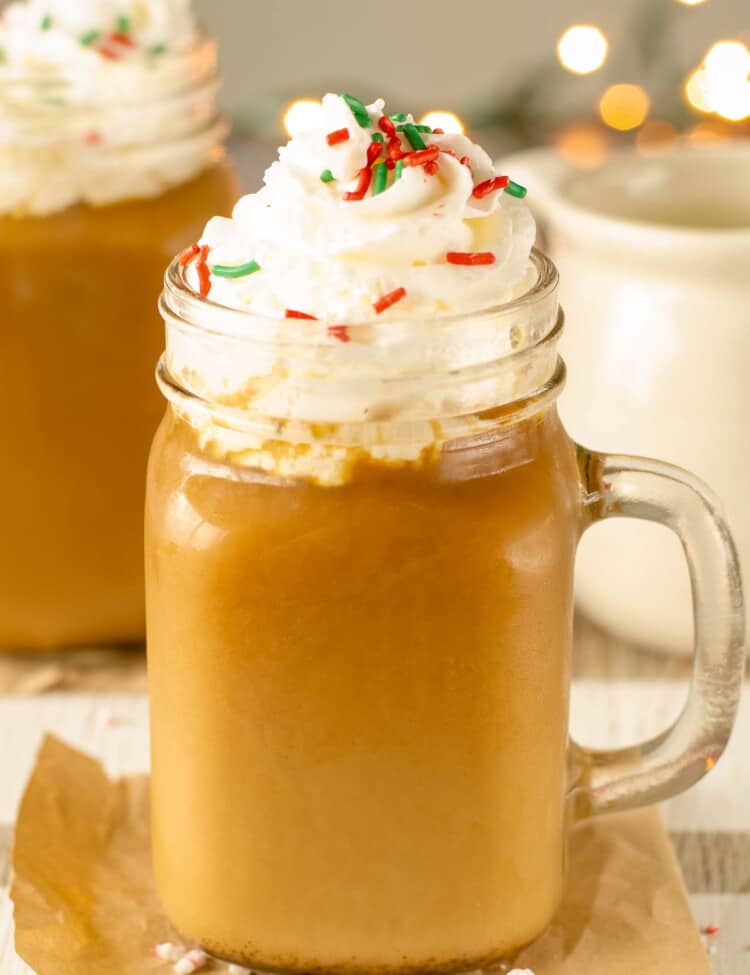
point(654, 259)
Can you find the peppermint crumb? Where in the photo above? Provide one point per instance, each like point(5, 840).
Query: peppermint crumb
point(191, 962)
point(168, 952)
point(104, 720)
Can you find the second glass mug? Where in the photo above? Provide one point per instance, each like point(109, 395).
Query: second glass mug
point(127, 182)
point(359, 635)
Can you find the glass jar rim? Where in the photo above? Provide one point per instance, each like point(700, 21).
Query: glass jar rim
point(248, 371)
point(183, 308)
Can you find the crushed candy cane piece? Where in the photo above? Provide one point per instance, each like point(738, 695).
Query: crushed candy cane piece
point(167, 951)
point(105, 719)
point(191, 962)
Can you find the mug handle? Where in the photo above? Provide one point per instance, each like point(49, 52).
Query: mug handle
point(623, 778)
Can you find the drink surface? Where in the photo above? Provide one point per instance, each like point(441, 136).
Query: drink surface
point(359, 703)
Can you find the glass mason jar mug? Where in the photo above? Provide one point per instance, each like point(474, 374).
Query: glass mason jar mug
point(359, 590)
point(97, 193)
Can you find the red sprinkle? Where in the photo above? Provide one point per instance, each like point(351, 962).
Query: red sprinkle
point(421, 156)
point(204, 274)
point(107, 52)
point(189, 255)
point(431, 168)
point(470, 259)
point(438, 131)
point(465, 161)
point(395, 152)
point(449, 152)
point(340, 135)
point(92, 138)
point(382, 304)
point(291, 313)
point(711, 929)
point(373, 151)
point(204, 279)
point(489, 186)
point(122, 39)
point(363, 184)
point(340, 332)
point(387, 127)
point(390, 164)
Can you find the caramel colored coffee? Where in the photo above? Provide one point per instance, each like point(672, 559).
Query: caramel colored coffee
point(359, 702)
point(80, 338)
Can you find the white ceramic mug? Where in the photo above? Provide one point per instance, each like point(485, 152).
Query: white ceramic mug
point(654, 259)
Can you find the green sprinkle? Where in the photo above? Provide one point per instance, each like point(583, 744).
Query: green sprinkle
point(415, 139)
point(515, 189)
point(235, 271)
point(378, 137)
point(90, 37)
point(358, 110)
point(419, 128)
point(380, 178)
point(2, 55)
point(398, 170)
point(46, 22)
point(54, 100)
point(327, 176)
point(156, 49)
point(398, 117)
point(123, 25)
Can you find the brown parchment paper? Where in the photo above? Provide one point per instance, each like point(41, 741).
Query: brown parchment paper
point(85, 903)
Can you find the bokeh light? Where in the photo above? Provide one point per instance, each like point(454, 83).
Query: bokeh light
point(707, 131)
point(721, 84)
point(301, 115)
point(696, 91)
point(624, 106)
point(447, 121)
point(728, 60)
point(582, 143)
point(655, 136)
point(582, 49)
point(691, 3)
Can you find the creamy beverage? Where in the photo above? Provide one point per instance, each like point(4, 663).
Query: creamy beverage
point(362, 516)
point(110, 158)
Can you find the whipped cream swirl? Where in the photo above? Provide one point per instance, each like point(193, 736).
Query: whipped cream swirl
point(323, 251)
point(77, 39)
point(102, 100)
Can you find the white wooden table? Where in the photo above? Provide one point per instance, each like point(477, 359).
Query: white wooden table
point(710, 825)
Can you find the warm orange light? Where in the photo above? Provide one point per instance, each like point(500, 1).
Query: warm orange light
point(727, 60)
point(696, 91)
point(582, 49)
point(655, 136)
point(691, 3)
point(583, 143)
point(301, 115)
point(447, 121)
point(706, 132)
point(624, 106)
point(721, 84)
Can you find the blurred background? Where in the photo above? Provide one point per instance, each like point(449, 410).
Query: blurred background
point(580, 73)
